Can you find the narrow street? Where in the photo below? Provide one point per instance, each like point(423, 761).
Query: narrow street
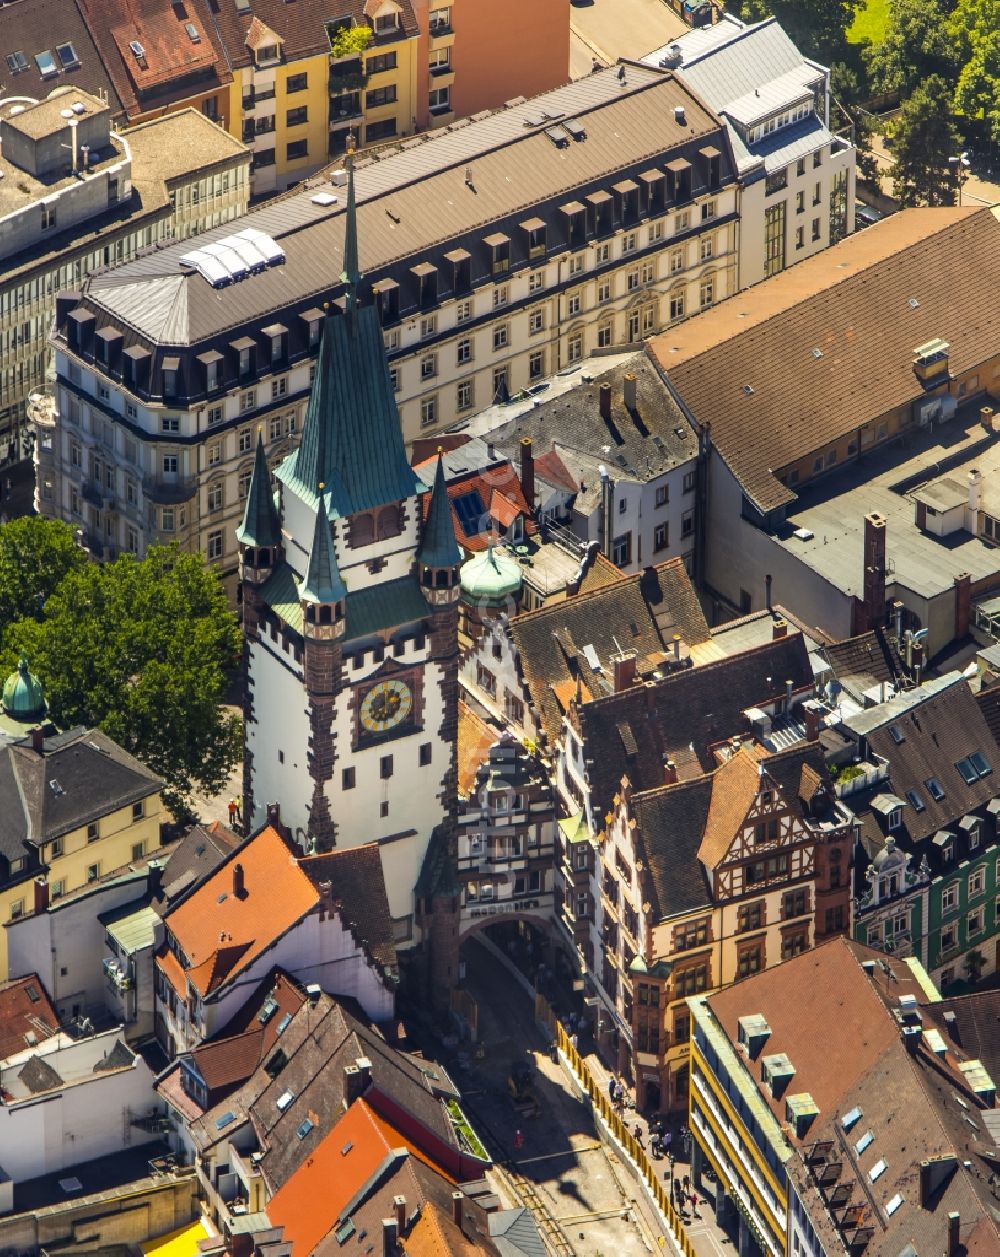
point(588, 1201)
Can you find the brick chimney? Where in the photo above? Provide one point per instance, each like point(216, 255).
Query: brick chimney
point(38, 741)
point(954, 1234)
point(669, 772)
point(41, 895)
point(624, 664)
point(457, 1201)
point(399, 1208)
point(813, 719)
point(389, 1238)
point(605, 401)
point(779, 628)
point(628, 386)
point(528, 472)
point(239, 882)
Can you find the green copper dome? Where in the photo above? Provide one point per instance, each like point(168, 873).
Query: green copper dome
point(490, 578)
point(23, 696)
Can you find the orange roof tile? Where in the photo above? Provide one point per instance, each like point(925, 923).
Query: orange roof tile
point(220, 932)
point(551, 468)
point(312, 1200)
point(434, 1234)
point(170, 967)
point(503, 510)
point(565, 692)
point(25, 1008)
point(475, 737)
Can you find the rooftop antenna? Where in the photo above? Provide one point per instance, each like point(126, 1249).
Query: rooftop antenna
point(468, 179)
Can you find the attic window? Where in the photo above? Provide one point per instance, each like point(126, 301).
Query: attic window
point(935, 789)
point(305, 1128)
point(137, 50)
point(877, 1170)
point(471, 513)
point(897, 734)
point(55, 787)
point(849, 1119)
point(192, 32)
point(17, 62)
point(67, 56)
point(32, 992)
point(222, 1122)
point(748, 390)
point(969, 774)
point(865, 1142)
point(916, 801)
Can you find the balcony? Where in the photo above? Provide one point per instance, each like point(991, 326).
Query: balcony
point(116, 973)
point(851, 778)
point(344, 108)
point(347, 76)
point(93, 493)
point(168, 492)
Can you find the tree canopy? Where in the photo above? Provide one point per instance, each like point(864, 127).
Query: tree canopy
point(923, 139)
point(144, 650)
point(916, 45)
point(35, 555)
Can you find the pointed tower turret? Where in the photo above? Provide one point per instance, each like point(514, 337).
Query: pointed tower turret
point(352, 438)
point(260, 533)
point(439, 556)
point(323, 593)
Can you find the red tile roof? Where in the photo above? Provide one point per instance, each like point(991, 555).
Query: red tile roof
point(312, 1201)
point(551, 468)
point(174, 66)
point(499, 489)
point(220, 932)
point(25, 1009)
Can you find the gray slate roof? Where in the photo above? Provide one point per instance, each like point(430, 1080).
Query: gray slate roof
point(515, 1233)
point(81, 776)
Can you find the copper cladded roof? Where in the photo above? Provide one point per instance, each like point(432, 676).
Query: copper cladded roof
point(791, 365)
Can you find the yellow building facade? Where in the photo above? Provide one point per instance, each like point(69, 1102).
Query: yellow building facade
point(295, 101)
point(75, 807)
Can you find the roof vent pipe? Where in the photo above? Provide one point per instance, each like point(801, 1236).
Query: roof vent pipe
point(629, 390)
point(679, 116)
point(605, 401)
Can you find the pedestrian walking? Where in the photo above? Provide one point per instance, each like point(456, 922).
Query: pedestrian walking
point(665, 1139)
point(694, 1205)
point(232, 812)
point(687, 1182)
point(638, 1134)
point(612, 1087)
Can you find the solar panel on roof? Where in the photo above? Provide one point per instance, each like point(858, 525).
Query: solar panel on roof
point(471, 512)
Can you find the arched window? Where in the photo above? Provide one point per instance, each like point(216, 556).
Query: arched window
point(362, 530)
point(388, 523)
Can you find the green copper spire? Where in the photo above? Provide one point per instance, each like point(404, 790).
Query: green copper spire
point(351, 273)
point(438, 547)
point(323, 582)
point(261, 526)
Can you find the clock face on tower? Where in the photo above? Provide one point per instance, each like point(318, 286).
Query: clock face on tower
point(385, 706)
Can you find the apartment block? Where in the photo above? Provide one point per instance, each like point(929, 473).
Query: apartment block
point(79, 197)
point(495, 252)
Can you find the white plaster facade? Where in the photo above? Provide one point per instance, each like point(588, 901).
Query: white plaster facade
point(88, 1116)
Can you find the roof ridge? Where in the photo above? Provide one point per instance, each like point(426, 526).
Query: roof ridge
point(600, 590)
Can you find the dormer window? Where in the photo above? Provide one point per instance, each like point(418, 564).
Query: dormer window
point(267, 54)
point(499, 247)
point(894, 819)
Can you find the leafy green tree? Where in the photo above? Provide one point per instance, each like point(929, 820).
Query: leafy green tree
point(144, 650)
point(974, 28)
point(818, 28)
point(847, 92)
point(35, 555)
point(917, 44)
point(923, 138)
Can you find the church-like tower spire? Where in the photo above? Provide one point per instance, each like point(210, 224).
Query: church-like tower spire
point(351, 274)
point(323, 588)
point(261, 526)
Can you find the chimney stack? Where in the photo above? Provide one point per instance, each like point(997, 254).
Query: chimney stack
point(779, 628)
point(624, 664)
point(874, 571)
point(388, 1237)
point(605, 401)
point(154, 879)
point(239, 882)
point(813, 720)
point(788, 695)
point(399, 1208)
point(38, 741)
point(457, 1199)
point(41, 895)
point(975, 489)
point(629, 390)
point(677, 645)
point(954, 1232)
point(767, 591)
point(528, 472)
point(963, 604)
point(669, 773)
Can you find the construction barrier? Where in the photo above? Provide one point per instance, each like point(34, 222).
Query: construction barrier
point(613, 1120)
